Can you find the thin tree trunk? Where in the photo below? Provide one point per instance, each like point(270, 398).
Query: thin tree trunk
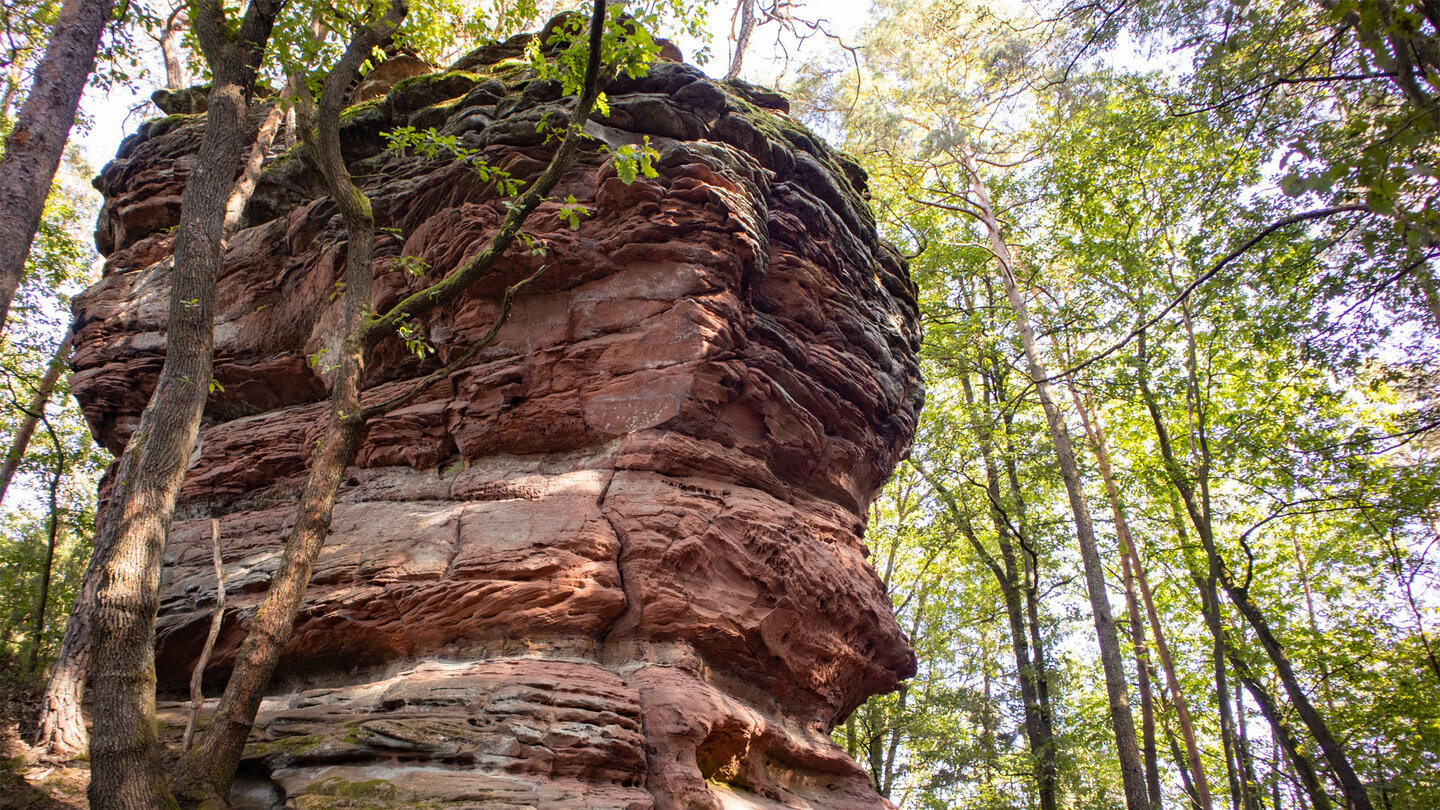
point(1005, 576)
point(1023, 579)
point(1186, 783)
point(892, 751)
point(60, 729)
point(197, 676)
point(47, 569)
point(1095, 430)
point(742, 25)
point(1137, 625)
point(1198, 510)
point(1304, 569)
point(1132, 770)
point(1284, 734)
point(250, 174)
point(1030, 559)
point(170, 47)
point(127, 772)
point(1275, 773)
point(36, 144)
point(1249, 785)
point(206, 772)
point(33, 413)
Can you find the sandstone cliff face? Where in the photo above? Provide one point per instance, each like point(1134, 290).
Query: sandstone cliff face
point(618, 561)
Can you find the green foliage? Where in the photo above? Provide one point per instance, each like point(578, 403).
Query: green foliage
point(431, 145)
point(416, 341)
point(633, 162)
point(62, 453)
point(1313, 355)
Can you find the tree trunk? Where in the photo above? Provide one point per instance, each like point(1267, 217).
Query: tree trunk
point(259, 149)
point(1095, 430)
point(206, 772)
point(1020, 604)
point(36, 144)
point(126, 768)
point(1284, 734)
point(33, 413)
point(1353, 788)
point(217, 619)
point(1249, 785)
point(60, 729)
point(1132, 771)
point(1132, 606)
point(1186, 783)
point(170, 45)
point(1005, 576)
point(742, 25)
point(47, 569)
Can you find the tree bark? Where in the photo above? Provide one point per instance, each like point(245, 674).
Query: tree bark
point(126, 768)
point(1132, 770)
point(1005, 576)
point(1016, 578)
point(1132, 606)
point(259, 149)
point(36, 144)
point(169, 42)
point(1284, 734)
point(1249, 785)
point(35, 409)
point(742, 26)
point(1096, 432)
point(60, 730)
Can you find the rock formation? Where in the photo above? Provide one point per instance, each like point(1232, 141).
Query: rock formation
point(617, 562)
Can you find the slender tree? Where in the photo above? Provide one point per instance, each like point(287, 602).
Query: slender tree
point(34, 412)
point(206, 772)
point(1197, 509)
point(1132, 770)
point(36, 144)
point(1095, 430)
point(126, 771)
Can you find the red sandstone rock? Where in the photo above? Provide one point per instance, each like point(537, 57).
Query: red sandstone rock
point(617, 561)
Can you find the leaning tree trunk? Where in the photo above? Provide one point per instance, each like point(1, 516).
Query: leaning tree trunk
point(1200, 786)
point(1132, 770)
point(1132, 607)
point(205, 774)
point(127, 771)
point(36, 144)
point(259, 150)
point(35, 409)
point(1350, 784)
point(1284, 734)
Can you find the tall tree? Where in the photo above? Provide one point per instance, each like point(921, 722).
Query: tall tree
point(37, 142)
point(206, 773)
point(126, 771)
point(1132, 770)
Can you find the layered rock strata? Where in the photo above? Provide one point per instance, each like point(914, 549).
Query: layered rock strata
point(618, 561)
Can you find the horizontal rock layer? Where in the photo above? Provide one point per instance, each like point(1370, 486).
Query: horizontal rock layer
point(617, 561)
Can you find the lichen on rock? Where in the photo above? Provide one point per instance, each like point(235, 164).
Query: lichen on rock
point(618, 560)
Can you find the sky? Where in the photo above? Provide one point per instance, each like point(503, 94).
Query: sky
point(113, 114)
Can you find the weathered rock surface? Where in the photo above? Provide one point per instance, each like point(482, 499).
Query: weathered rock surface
point(616, 562)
